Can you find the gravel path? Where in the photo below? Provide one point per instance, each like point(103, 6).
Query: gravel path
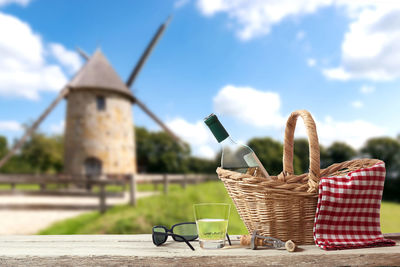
point(28, 221)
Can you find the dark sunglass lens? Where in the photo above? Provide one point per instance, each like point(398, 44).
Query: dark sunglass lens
point(159, 236)
point(188, 231)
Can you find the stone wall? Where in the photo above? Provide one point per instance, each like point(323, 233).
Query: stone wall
point(103, 134)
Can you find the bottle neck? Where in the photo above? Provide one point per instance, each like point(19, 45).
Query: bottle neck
point(227, 141)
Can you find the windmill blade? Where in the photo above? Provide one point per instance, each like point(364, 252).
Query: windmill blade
point(147, 52)
point(136, 71)
point(82, 53)
point(34, 126)
point(157, 120)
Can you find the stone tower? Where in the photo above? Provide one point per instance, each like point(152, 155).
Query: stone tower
point(99, 137)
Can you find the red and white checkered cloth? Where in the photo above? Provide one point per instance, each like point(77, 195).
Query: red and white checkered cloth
point(348, 210)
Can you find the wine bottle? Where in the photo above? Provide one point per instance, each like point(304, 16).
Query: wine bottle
point(235, 156)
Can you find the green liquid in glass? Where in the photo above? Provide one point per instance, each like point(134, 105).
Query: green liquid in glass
point(212, 229)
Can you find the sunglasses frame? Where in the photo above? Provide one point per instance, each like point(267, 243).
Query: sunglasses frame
point(170, 232)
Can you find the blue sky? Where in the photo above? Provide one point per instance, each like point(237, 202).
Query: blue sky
point(250, 62)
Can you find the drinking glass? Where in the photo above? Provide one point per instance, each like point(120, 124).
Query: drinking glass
point(212, 224)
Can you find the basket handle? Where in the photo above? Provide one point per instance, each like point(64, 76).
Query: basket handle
point(314, 169)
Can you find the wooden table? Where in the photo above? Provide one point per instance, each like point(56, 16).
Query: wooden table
point(138, 250)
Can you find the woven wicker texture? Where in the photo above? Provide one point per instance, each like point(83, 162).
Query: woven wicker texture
point(284, 206)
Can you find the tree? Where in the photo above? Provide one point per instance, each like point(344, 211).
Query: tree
point(201, 165)
point(301, 153)
point(3, 146)
point(16, 164)
point(339, 152)
point(157, 152)
point(386, 149)
point(325, 159)
point(44, 153)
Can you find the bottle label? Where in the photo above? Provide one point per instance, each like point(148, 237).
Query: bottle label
point(253, 161)
point(250, 160)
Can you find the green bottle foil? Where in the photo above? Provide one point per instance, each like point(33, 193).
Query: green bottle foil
point(216, 127)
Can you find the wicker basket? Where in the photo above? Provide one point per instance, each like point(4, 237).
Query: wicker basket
point(284, 206)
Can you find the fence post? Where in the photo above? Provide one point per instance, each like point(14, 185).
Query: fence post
point(102, 198)
point(165, 184)
point(184, 181)
point(155, 185)
point(132, 190)
point(42, 187)
point(13, 187)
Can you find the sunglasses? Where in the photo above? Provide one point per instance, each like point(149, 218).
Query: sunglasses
point(181, 232)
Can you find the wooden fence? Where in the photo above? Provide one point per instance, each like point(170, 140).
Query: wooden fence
point(65, 185)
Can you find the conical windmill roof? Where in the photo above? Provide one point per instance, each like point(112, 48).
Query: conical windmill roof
point(98, 74)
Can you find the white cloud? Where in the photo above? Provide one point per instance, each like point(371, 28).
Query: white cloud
point(366, 89)
point(57, 128)
point(336, 74)
point(357, 104)
point(205, 151)
point(25, 70)
point(255, 18)
point(355, 133)
point(311, 62)
point(251, 106)
point(180, 3)
point(202, 142)
point(71, 60)
point(371, 46)
point(11, 126)
point(19, 2)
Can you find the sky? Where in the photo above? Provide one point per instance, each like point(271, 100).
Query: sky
point(250, 62)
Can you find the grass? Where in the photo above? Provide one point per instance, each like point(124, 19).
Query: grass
point(390, 217)
point(32, 187)
point(176, 207)
point(109, 188)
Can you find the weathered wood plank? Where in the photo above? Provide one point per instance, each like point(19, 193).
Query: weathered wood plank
point(43, 206)
point(111, 179)
point(61, 192)
point(138, 250)
point(132, 190)
point(55, 180)
point(165, 184)
point(102, 199)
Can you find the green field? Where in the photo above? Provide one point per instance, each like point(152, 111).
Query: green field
point(176, 207)
point(390, 217)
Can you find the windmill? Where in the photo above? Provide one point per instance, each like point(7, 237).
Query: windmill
point(99, 132)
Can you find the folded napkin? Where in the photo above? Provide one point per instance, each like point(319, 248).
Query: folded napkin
point(348, 210)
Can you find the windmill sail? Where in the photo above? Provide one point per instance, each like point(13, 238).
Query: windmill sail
point(34, 126)
point(147, 53)
point(82, 53)
point(136, 71)
point(157, 120)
